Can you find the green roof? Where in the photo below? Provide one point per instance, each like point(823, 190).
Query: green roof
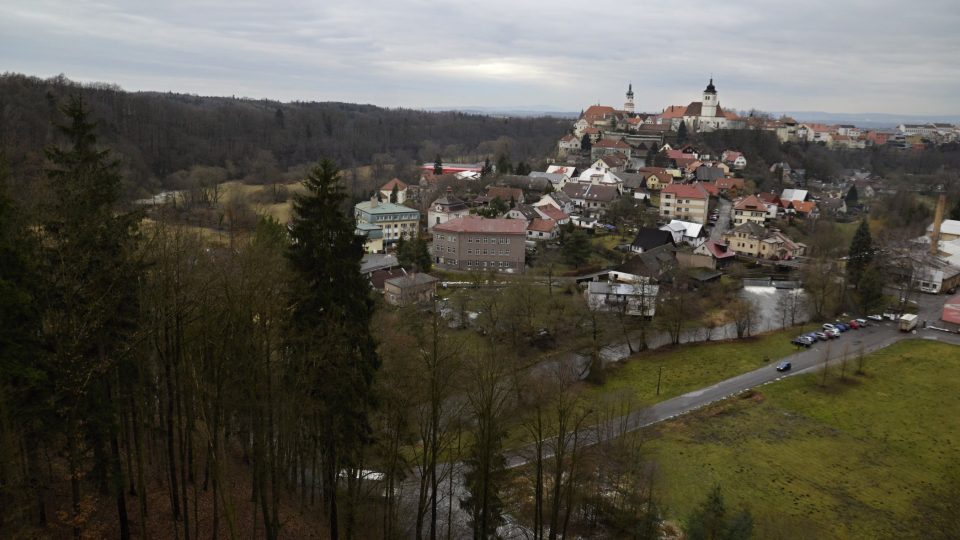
point(384, 208)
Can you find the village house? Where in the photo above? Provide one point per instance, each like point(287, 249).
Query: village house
point(446, 208)
point(558, 199)
point(386, 191)
point(477, 244)
point(568, 144)
point(541, 229)
point(411, 289)
point(684, 232)
point(712, 254)
point(754, 240)
point(606, 147)
point(750, 209)
point(549, 211)
point(648, 238)
point(523, 212)
point(395, 220)
point(686, 202)
point(734, 159)
point(656, 177)
point(506, 194)
point(637, 298)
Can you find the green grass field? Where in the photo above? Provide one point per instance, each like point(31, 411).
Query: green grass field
point(690, 367)
point(844, 460)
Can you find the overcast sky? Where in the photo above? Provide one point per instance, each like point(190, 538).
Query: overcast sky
point(839, 55)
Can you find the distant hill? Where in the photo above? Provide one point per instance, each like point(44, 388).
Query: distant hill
point(515, 112)
point(158, 134)
point(868, 120)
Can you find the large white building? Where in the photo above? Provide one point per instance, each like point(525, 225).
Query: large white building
point(708, 115)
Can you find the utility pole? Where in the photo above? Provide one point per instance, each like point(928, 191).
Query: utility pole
point(659, 376)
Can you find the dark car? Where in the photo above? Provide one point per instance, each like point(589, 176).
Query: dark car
point(784, 366)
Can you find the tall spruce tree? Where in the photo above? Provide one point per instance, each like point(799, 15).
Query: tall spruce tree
point(331, 312)
point(24, 392)
point(90, 306)
point(861, 253)
point(438, 165)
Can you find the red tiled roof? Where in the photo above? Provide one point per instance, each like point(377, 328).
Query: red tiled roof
point(568, 138)
point(395, 182)
point(712, 189)
point(751, 203)
point(687, 191)
point(803, 207)
point(597, 112)
point(505, 193)
point(730, 183)
point(477, 224)
point(673, 111)
point(719, 250)
point(591, 130)
point(611, 143)
point(765, 197)
point(542, 225)
point(553, 212)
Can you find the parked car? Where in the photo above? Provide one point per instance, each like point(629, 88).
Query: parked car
point(878, 318)
point(843, 327)
point(829, 326)
point(833, 333)
point(854, 324)
point(784, 366)
point(804, 341)
point(862, 322)
point(822, 336)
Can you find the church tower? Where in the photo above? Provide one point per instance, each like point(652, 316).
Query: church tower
point(709, 107)
point(628, 106)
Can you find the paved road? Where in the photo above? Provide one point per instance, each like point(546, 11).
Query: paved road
point(723, 221)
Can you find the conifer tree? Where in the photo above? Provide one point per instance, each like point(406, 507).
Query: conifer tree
point(90, 280)
point(331, 312)
point(394, 194)
point(438, 165)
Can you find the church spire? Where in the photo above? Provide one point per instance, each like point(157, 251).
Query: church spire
point(710, 88)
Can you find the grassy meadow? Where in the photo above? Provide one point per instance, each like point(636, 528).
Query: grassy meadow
point(848, 459)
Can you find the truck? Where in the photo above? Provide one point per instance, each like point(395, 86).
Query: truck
point(908, 322)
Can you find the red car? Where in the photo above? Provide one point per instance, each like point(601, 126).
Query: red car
point(854, 324)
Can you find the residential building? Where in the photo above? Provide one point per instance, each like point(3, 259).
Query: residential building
point(568, 144)
point(750, 209)
point(410, 289)
point(686, 202)
point(719, 253)
point(395, 220)
point(558, 199)
point(372, 237)
point(476, 243)
point(684, 232)
point(637, 298)
point(386, 191)
point(648, 239)
point(523, 212)
point(606, 147)
point(549, 211)
point(754, 240)
point(734, 159)
point(446, 208)
point(541, 229)
point(505, 194)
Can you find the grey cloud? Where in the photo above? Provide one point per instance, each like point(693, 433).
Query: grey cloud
point(853, 55)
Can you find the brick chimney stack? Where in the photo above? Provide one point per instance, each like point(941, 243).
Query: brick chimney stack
point(937, 222)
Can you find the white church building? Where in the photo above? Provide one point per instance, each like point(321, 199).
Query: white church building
point(708, 115)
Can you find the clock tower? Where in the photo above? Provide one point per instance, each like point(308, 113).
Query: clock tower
point(709, 107)
point(628, 106)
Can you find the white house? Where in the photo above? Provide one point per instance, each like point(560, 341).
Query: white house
point(685, 232)
point(638, 298)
